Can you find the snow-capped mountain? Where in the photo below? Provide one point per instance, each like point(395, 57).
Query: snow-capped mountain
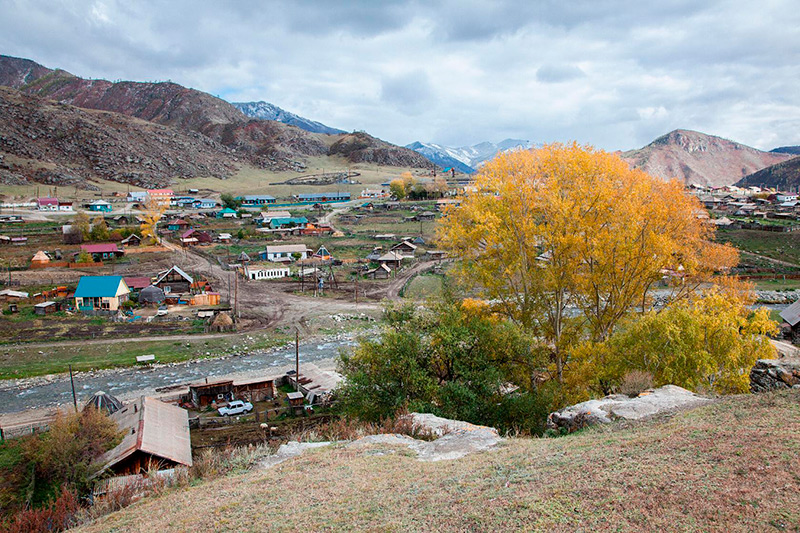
point(267, 111)
point(466, 158)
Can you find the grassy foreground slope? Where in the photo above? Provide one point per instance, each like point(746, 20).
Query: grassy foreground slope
point(731, 466)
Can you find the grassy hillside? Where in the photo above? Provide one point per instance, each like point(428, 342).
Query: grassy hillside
point(731, 466)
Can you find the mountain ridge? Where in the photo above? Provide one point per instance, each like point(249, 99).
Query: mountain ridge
point(266, 111)
point(466, 159)
point(699, 158)
point(266, 144)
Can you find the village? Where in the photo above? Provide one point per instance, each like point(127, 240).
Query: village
point(225, 266)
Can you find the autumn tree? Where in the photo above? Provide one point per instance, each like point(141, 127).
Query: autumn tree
point(153, 211)
point(99, 231)
point(707, 342)
point(568, 226)
point(398, 188)
point(81, 221)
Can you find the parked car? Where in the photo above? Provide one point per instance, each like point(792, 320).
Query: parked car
point(162, 312)
point(236, 407)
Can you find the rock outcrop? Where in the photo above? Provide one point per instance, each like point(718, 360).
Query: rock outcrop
point(456, 439)
point(618, 406)
point(775, 374)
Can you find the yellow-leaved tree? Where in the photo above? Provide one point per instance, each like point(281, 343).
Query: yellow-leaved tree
point(153, 211)
point(566, 240)
point(707, 342)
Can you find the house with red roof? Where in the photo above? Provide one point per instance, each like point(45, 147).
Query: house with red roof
point(99, 252)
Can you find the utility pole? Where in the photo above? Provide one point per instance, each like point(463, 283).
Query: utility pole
point(72, 382)
point(236, 294)
point(296, 359)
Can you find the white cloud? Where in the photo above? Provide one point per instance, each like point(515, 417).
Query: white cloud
point(606, 72)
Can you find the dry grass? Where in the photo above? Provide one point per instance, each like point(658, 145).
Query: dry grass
point(731, 466)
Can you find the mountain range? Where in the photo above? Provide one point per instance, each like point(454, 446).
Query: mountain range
point(266, 111)
point(265, 144)
point(50, 131)
point(466, 159)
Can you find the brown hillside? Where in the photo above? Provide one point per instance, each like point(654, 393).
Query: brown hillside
point(730, 466)
point(783, 176)
point(694, 157)
point(361, 147)
point(267, 144)
point(57, 144)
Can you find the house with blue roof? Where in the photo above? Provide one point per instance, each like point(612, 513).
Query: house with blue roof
point(101, 293)
point(254, 200)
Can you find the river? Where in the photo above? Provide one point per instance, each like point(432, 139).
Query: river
point(20, 395)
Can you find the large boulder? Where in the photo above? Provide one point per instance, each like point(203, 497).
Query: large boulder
point(775, 374)
point(454, 438)
point(620, 406)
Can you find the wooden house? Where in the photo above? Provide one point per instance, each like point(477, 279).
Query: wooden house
point(131, 240)
point(173, 280)
point(101, 293)
point(101, 252)
point(156, 435)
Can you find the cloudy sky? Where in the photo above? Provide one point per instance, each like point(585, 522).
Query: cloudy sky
point(610, 73)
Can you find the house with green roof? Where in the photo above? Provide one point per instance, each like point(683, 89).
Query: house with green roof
point(227, 213)
point(101, 293)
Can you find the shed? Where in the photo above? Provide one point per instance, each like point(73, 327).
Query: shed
point(45, 308)
point(295, 399)
point(137, 283)
point(156, 435)
point(206, 393)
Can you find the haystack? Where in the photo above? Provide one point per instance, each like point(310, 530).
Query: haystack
point(222, 322)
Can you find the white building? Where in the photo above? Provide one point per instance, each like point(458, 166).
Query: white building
point(259, 273)
point(287, 253)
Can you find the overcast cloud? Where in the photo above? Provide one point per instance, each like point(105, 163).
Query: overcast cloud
point(610, 73)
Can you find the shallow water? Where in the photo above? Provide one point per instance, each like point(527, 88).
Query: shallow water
point(28, 394)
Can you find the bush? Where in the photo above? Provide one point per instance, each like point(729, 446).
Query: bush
point(66, 454)
point(455, 360)
point(59, 515)
point(636, 382)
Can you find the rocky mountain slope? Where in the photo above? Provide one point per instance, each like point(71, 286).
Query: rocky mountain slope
point(57, 144)
point(782, 176)
point(266, 144)
point(794, 150)
point(695, 157)
point(266, 111)
point(360, 147)
point(466, 158)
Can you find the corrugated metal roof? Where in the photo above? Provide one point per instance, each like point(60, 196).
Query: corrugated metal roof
point(792, 314)
point(99, 286)
point(177, 269)
point(153, 427)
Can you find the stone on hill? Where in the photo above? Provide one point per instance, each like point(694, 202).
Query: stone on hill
point(775, 374)
point(619, 406)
